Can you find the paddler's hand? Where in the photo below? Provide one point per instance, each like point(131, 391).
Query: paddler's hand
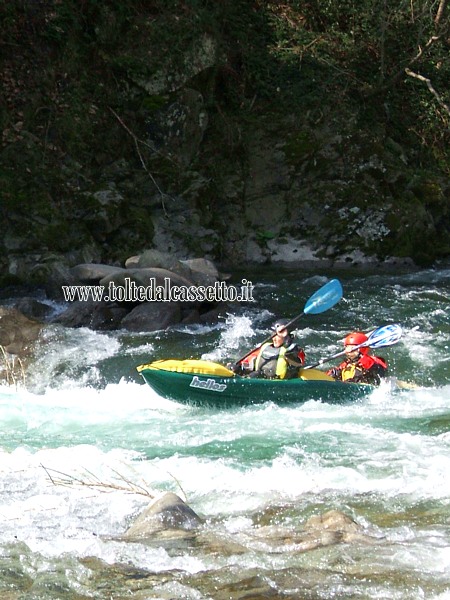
point(335, 373)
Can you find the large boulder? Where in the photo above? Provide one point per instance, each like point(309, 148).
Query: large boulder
point(145, 277)
point(152, 316)
point(138, 297)
point(91, 273)
point(202, 271)
point(168, 513)
point(17, 332)
point(100, 316)
point(33, 309)
point(153, 258)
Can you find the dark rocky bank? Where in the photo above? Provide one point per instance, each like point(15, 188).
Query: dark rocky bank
point(246, 133)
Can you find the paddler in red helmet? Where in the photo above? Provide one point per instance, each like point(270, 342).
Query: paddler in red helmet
point(359, 365)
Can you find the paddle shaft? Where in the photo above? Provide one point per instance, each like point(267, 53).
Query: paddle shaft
point(320, 301)
point(341, 353)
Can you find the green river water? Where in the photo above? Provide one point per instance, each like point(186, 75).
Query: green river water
point(254, 474)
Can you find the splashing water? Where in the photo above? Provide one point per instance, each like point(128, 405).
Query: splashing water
point(255, 474)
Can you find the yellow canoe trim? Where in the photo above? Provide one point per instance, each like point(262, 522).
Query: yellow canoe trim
point(207, 367)
point(204, 367)
point(314, 375)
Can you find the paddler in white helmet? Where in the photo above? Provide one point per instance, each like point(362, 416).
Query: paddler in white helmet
point(281, 358)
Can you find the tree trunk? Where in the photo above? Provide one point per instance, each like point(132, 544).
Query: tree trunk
point(440, 12)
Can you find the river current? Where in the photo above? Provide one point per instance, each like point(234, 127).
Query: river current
point(86, 433)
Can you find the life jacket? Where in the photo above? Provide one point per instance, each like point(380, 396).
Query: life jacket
point(364, 363)
point(248, 363)
point(271, 361)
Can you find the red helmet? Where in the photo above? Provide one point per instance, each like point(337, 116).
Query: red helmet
point(355, 339)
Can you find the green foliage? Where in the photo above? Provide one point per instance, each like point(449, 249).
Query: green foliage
point(153, 103)
point(263, 236)
point(66, 63)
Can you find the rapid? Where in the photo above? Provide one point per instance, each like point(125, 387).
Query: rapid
point(85, 435)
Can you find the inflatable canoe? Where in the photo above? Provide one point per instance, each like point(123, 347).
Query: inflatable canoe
point(205, 383)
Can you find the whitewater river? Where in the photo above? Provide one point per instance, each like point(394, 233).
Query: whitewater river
point(255, 474)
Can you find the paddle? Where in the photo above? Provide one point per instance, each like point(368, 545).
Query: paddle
point(325, 297)
point(387, 335)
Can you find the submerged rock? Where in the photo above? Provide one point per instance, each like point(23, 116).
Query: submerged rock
point(167, 513)
point(333, 520)
point(328, 529)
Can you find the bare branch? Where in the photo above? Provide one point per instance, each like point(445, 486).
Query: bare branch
point(66, 480)
point(137, 141)
point(59, 478)
point(139, 489)
point(430, 87)
point(421, 51)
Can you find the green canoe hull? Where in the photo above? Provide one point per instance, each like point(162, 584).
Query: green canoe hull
point(222, 392)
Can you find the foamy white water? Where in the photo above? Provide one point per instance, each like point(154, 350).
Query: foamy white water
point(254, 474)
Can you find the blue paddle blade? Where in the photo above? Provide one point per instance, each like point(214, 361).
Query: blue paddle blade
point(384, 336)
point(324, 298)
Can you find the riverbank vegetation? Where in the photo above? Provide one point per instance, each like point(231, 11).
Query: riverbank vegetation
point(118, 117)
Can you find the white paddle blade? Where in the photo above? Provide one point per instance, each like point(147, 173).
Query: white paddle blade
point(388, 335)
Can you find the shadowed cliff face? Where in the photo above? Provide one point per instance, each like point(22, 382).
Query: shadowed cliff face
point(239, 133)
